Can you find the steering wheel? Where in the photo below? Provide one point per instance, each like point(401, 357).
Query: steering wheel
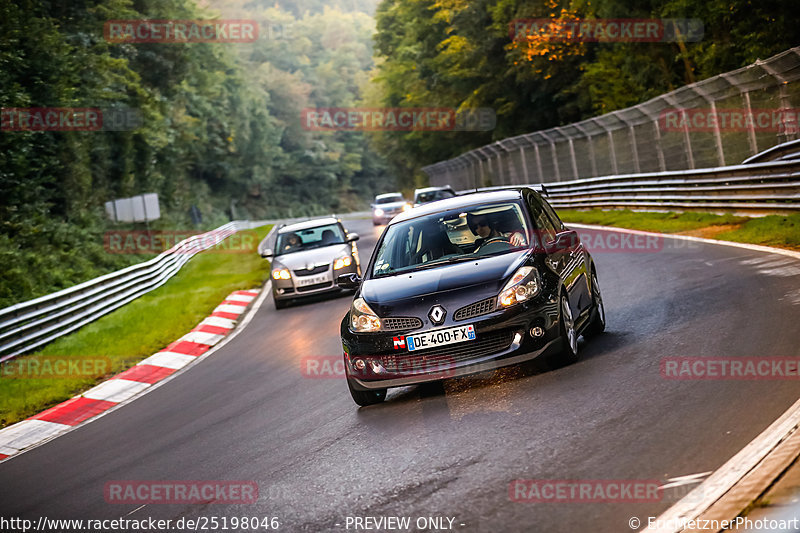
point(494, 240)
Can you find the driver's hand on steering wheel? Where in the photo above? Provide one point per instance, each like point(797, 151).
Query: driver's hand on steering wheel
point(517, 239)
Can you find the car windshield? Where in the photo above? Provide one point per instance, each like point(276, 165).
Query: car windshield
point(451, 236)
point(306, 239)
point(430, 196)
point(389, 199)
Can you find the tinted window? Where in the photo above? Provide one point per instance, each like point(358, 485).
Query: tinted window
point(545, 227)
point(295, 241)
point(431, 196)
point(455, 235)
point(389, 199)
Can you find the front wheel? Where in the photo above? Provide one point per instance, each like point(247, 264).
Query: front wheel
point(598, 323)
point(280, 304)
point(369, 397)
point(569, 337)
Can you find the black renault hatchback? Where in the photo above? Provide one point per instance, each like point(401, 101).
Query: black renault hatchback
point(466, 285)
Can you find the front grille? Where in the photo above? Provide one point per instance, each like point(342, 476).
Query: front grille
point(476, 309)
point(315, 286)
point(316, 270)
point(415, 362)
point(399, 323)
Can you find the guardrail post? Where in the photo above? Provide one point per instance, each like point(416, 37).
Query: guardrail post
point(659, 149)
point(751, 128)
point(574, 161)
point(614, 166)
point(525, 178)
point(539, 162)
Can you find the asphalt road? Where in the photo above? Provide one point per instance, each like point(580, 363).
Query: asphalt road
point(249, 413)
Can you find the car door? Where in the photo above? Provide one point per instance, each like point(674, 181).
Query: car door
point(565, 256)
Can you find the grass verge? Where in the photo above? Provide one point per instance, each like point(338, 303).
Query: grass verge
point(134, 331)
point(774, 230)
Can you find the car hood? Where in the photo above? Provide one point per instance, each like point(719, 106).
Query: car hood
point(449, 285)
point(315, 256)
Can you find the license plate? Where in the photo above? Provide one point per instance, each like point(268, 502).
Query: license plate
point(440, 337)
point(312, 280)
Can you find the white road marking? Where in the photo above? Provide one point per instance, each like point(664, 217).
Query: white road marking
point(230, 308)
point(219, 322)
point(240, 298)
point(201, 337)
point(169, 360)
point(115, 390)
point(27, 432)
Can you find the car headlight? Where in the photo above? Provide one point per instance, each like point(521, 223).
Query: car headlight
point(406, 207)
point(362, 318)
point(379, 212)
point(523, 285)
point(342, 262)
point(281, 273)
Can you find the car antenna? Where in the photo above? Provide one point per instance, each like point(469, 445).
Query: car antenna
point(544, 190)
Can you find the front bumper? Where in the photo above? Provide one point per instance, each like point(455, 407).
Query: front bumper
point(503, 338)
point(289, 289)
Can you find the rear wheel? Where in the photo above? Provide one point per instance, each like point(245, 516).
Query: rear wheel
point(598, 323)
point(369, 397)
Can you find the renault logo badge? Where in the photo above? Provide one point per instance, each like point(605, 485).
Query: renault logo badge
point(437, 314)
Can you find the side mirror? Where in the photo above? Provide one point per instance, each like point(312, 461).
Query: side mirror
point(267, 253)
point(565, 241)
point(348, 281)
point(352, 237)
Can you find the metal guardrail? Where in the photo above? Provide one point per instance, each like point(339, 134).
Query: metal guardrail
point(764, 187)
point(782, 152)
point(32, 324)
point(640, 139)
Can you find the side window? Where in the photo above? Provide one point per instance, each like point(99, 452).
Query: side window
point(553, 216)
point(545, 228)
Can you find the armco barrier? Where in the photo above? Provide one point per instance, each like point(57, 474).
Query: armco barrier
point(29, 325)
point(762, 187)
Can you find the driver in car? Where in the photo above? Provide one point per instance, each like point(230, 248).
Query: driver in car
point(292, 242)
point(482, 226)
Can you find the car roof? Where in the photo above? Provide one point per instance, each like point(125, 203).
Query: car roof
point(306, 224)
point(429, 189)
point(386, 195)
point(463, 200)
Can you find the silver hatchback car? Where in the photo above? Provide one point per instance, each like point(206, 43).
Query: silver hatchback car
point(308, 256)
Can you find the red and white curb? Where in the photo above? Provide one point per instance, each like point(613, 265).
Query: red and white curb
point(124, 386)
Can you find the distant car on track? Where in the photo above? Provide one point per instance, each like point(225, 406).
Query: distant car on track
point(387, 206)
point(466, 285)
point(307, 258)
point(431, 194)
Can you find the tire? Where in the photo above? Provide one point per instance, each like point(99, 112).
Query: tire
point(569, 337)
point(280, 304)
point(364, 398)
point(598, 323)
